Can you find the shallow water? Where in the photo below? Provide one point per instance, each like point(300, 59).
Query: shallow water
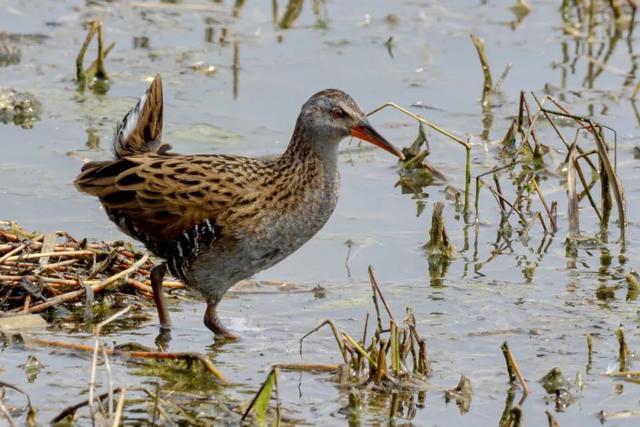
point(250, 109)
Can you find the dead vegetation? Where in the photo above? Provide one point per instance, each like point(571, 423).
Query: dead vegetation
point(42, 272)
point(390, 364)
point(95, 76)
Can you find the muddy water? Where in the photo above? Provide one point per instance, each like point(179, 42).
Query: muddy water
point(533, 295)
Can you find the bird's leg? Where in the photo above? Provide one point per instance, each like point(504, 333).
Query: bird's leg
point(157, 274)
point(212, 321)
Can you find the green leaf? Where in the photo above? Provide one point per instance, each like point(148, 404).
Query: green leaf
point(260, 402)
point(262, 399)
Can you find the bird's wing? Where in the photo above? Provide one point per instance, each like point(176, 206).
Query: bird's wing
point(166, 195)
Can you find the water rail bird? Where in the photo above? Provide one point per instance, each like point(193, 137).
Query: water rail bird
point(216, 219)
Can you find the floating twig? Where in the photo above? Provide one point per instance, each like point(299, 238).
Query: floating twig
point(159, 355)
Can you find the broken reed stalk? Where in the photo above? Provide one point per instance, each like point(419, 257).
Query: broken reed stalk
point(623, 349)
point(336, 334)
point(7, 415)
point(607, 169)
point(101, 73)
point(605, 194)
point(536, 187)
point(235, 68)
point(502, 77)
point(537, 154)
point(487, 86)
point(80, 75)
point(370, 361)
point(590, 126)
point(551, 419)
point(79, 253)
point(439, 243)
point(307, 367)
point(72, 409)
point(536, 216)
point(465, 144)
point(97, 68)
point(501, 202)
point(160, 355)
point(41, 271)
point(291, 13)
point(520, 121)
point(501, 199)
point(119, 408)
point(31, 411)
point(513, 370)
point(573, 204)
point(624, 374)
point(19, 248)
point(589, 349)
point(576, 164)
point(376, 290)
point(92, 69)
point(585, 185)
point(359, 348)
point(510, 369)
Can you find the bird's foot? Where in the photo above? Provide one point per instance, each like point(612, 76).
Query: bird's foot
point(220, 330)
point(163, 339)
point(212, 321)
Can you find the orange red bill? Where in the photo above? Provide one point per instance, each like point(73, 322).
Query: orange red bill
point(366, 132)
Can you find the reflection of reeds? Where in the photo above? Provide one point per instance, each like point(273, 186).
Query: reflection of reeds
point(623, 349)
point(596, 27)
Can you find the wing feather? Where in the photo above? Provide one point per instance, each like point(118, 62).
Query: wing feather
point(165, 195)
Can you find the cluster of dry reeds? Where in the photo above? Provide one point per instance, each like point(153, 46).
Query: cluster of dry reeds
point(39, 271)
point(393, 362)
point(523, 148)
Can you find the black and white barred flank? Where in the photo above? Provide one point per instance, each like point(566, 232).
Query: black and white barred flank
point(188, 246)
point(179, 252)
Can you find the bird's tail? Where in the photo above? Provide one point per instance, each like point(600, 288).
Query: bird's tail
point(140, 130)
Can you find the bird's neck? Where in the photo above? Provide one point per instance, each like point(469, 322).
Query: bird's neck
point(306, 146)
point(307, 174)
point(309, 164)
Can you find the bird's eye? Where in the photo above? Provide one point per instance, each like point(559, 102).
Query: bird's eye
point(338, 113)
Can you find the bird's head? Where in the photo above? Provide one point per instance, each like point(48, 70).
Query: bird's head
point(331, 115)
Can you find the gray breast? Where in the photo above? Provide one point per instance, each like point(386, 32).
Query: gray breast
point(278, 236)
